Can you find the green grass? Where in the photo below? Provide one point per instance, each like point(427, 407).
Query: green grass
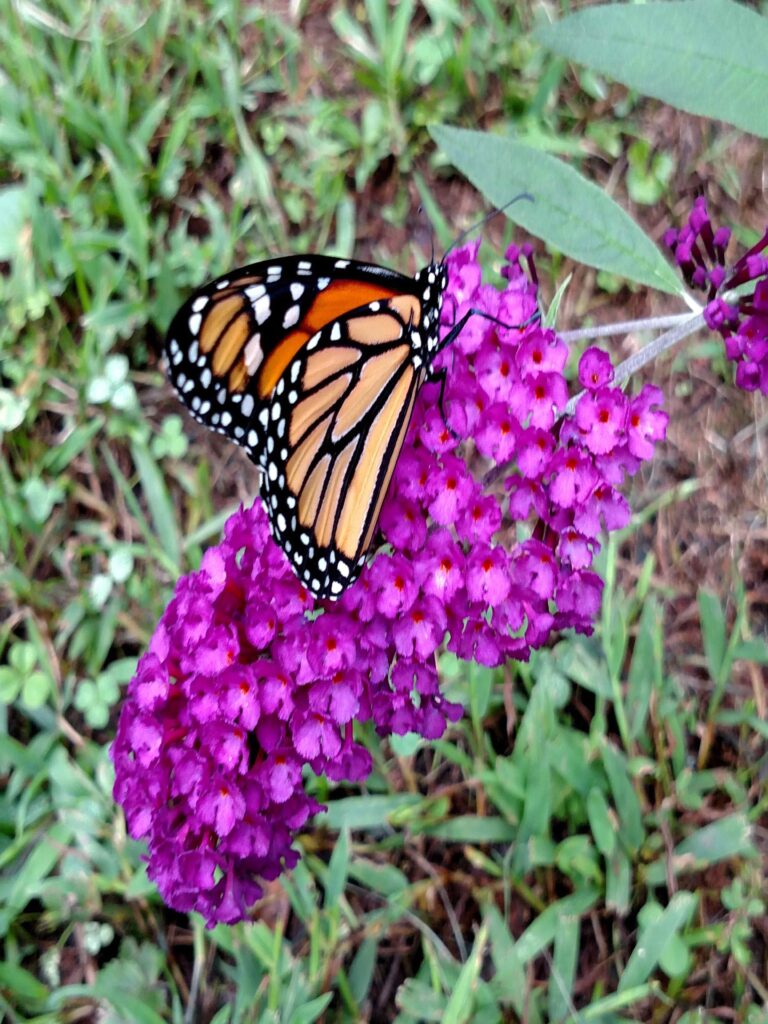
point(588, 843)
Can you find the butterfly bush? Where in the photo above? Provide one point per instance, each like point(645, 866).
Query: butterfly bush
point(490, 526)
point(741, 319)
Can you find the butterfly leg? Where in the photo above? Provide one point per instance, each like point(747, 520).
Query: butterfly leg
point(442, 376)
point(459, 326)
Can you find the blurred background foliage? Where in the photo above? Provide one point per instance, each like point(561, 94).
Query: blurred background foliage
point(589, 844)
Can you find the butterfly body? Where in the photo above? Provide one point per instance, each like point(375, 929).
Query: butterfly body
point(312, 364)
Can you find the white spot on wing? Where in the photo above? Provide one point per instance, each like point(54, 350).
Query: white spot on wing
point(253, 354)
point(261, 308)
point(291, 317)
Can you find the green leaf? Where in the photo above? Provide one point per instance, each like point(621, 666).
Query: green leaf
point(10, 684)
point(618, 882)
point(713, 631)
point(134, 1008)
point(13, 409)
point(41, 861)
point(752, 650)
point(310, 1011)
point(509, 982)
point(602, 1011)
point(364, 812)
point(468, 828)
point(35, 690)
point(731, 836)
point(362, 967)
point(675, 958)
point(563, 971)
point(460, 1005)
point(624, 797)
point(704, 56)
point(646, 669)
point(59, 456)
point(480, 684)
point(542, 930)
point(653, 940)
point(337, 870)
point(23, 657)
point(568, 212)
point(21, 985)
point(132, 209)
point(159, 501)
point(600, 822)
point(382, 878)
point(15, 202)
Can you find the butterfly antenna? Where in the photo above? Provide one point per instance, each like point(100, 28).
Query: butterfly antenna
point(423, 213)
point(480, 223)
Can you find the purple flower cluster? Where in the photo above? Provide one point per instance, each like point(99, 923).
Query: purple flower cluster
point(742, 318)
point(490, 527)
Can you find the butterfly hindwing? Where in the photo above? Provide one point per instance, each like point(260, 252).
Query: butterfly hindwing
point(340, 415)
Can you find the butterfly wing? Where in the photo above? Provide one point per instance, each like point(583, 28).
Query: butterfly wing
point(307, 363)
point(340, 414)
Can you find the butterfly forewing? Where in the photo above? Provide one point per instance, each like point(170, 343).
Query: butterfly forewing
point(312, 364)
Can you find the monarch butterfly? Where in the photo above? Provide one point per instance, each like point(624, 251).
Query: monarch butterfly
point(312, 364)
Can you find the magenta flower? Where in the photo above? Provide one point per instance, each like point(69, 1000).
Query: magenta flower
point(248, 682)
point(595, 369)
point(741, 318)
point(601, 418)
